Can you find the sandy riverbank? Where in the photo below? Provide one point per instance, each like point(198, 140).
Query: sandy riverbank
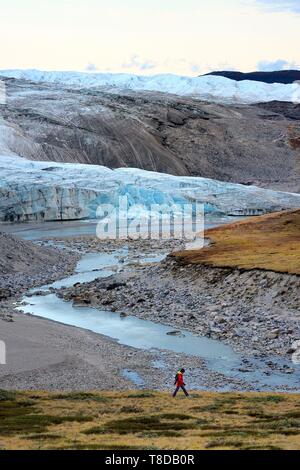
point(45, 355)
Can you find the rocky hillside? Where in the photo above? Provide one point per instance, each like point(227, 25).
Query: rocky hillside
point(280, 76)
point(23, 264)
point(151, 130)
point(21, 256)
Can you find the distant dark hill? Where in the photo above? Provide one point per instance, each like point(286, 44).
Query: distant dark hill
point(282, 76)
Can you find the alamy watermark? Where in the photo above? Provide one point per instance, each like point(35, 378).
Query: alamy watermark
point(2, 92)
point(2, 353)
point(124, 220)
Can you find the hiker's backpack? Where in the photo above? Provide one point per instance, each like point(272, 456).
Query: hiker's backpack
point(176, 379)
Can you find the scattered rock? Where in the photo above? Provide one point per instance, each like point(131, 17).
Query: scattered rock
point(115, 285)
point(175, 333)
point(5, 293)
point(274, 334)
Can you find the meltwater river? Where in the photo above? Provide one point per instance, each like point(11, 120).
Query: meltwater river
point(144, 334)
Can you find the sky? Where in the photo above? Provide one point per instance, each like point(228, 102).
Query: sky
point(186, 37)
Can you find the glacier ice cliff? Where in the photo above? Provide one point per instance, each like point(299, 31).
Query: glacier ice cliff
point(43, 191)
point(204, 87)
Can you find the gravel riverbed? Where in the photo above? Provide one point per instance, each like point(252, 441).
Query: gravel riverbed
point(256, 312)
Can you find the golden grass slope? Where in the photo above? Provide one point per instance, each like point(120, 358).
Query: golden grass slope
point(148, 420)
point(268, 242)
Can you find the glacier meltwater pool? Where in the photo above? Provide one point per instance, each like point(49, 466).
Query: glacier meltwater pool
point(30, 231)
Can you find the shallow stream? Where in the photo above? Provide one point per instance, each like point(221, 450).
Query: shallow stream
point(148, 335)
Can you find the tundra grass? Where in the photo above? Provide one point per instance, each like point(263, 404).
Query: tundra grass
point(149, 420)
point(269, 242)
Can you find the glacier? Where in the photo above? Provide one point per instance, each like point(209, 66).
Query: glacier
point(44, 191)
point(213, 88)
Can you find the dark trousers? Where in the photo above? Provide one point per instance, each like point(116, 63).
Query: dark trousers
point(182, 388)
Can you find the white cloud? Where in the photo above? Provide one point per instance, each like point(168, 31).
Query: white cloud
point(280, 64)
point(195, 68)
point(137, 63)
point(281, 5)
point(90, 67)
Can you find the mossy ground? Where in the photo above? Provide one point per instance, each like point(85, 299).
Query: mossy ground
point(270, 242)
point(149, 420)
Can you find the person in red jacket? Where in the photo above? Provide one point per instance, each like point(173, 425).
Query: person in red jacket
point(179, 382)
